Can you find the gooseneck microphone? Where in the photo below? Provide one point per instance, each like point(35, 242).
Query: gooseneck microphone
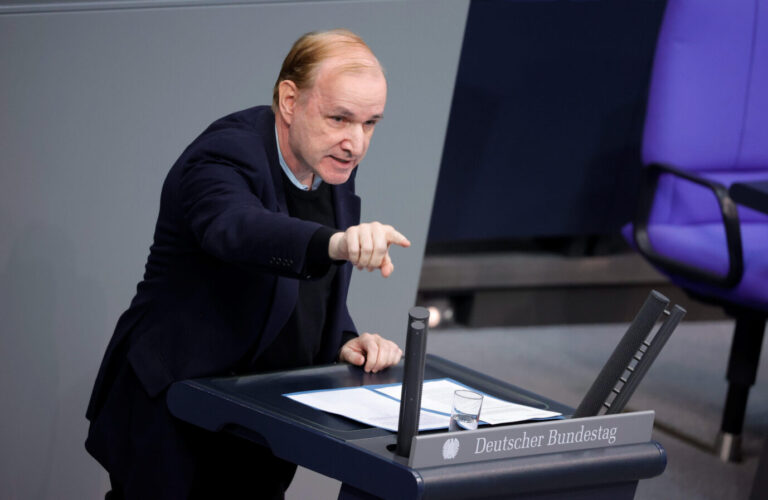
point(413, 378)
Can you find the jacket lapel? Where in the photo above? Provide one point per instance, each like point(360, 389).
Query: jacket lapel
point(286, 290)
point(275, 169)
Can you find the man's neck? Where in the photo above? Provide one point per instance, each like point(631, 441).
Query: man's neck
point(306, 178)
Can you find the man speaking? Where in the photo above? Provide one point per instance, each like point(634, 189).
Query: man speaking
point(253, 250)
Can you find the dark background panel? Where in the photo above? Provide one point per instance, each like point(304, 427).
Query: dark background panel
point(546, 121)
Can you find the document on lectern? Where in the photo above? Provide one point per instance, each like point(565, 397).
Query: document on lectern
point(379, 405)
point(366, 405)
point(437, 396)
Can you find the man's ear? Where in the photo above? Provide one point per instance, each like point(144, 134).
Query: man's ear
point(288, 94)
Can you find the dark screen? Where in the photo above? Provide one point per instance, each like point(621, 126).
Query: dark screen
point(545, 126)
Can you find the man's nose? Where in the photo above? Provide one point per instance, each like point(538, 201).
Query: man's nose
point(354, 142)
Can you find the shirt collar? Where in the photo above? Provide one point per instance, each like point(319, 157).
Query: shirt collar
point(315, 182)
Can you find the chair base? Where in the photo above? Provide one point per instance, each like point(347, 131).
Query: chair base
point(742, 371)
point(729, 447)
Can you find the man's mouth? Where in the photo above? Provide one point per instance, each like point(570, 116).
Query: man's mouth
point(343, 161)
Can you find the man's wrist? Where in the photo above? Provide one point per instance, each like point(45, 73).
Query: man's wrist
point(333, 246)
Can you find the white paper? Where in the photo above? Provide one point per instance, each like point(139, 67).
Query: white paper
point(379, 406)
point(366, 406)
point(437, 395)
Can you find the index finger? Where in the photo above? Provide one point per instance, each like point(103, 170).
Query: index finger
point(387, 352)
point(394, 236)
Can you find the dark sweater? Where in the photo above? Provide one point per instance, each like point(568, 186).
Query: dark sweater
point(298, 343)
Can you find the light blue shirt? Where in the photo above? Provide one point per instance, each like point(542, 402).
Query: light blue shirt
point(315, 182)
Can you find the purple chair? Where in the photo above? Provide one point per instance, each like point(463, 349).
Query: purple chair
point(707, 127)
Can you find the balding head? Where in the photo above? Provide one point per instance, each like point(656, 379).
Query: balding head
point(330, 95)
point(339, 49)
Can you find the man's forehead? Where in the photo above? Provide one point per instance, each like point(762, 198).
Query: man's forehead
point(350, 74)
point(364, 86)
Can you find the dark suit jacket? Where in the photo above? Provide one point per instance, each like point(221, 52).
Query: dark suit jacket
point(221, 280)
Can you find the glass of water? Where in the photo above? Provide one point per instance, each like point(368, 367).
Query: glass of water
point(465, 412)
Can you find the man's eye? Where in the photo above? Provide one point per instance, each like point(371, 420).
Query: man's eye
point(337, 119)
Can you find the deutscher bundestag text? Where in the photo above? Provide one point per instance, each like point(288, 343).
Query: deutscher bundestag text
point(552, 438)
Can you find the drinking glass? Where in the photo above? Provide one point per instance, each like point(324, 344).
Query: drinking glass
point(465, 412)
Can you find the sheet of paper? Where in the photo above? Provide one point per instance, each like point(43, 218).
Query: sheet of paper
point(437, 395)
point(366, 406)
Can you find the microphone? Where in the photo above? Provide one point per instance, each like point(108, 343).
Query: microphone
point(413, 378)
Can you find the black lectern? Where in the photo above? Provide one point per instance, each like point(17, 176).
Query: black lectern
point(363, 458)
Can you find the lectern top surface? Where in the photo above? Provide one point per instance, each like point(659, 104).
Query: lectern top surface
point(264, 392)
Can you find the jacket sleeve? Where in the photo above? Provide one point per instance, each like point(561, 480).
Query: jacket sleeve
point(348, 332)
point(224, 186)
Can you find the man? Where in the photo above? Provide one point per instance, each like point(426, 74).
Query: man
point(249, 270)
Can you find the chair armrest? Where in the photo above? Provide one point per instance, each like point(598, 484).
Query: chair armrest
point(751, 194)
point(730, 221)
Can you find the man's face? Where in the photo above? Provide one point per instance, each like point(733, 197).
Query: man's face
point(333, 121)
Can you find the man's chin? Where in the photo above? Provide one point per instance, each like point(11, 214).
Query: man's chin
point(337, 176)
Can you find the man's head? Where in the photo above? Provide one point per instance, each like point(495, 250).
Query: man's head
point(329, 96)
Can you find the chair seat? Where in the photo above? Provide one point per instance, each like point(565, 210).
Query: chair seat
point(704, 246)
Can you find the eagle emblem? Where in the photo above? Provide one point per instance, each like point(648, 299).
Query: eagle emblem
point(450, 448)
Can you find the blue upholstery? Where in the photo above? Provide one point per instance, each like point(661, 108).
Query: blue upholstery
point(708, 115)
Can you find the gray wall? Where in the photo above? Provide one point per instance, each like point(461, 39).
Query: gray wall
point(96, 102)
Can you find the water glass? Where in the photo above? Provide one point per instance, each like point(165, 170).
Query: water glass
point(465, 412)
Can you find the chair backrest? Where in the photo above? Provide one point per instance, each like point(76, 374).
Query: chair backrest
point(708, 104)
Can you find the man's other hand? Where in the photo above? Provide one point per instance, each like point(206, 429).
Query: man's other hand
point(367, 246)
point(375, 351)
